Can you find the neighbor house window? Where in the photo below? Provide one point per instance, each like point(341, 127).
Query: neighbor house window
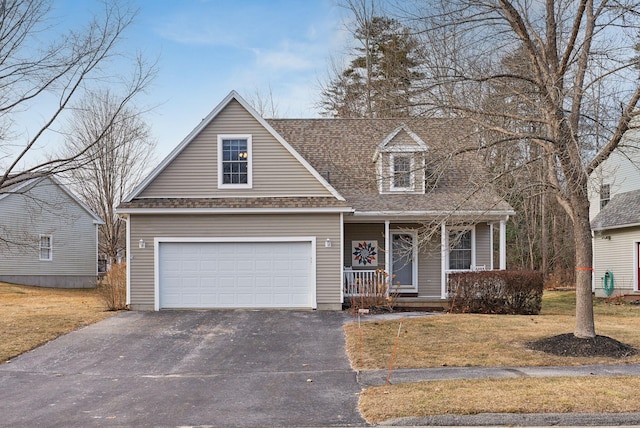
point(46, 247)
point(605, 195)
point(401, 172)
point(234, 161)
point(460, 252)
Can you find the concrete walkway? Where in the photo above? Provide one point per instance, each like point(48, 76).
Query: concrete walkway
point(378, 377)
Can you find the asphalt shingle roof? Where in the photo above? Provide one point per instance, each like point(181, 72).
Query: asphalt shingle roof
point(230, 203)
point(343, 149)
point(622, 210)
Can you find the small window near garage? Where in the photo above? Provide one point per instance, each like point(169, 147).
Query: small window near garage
point(460, 252)
point(46, 247)
point(402, 172)
point(605, 195)
point(234, 161)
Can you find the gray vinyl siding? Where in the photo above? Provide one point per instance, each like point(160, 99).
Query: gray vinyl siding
point(322, 226)
point(194, 172)
point(483, 245)
point(46, 210)
point(616, 255)
point(430, 267)
point(364, 232)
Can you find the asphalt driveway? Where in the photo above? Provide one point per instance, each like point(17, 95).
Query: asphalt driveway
point(185, 368)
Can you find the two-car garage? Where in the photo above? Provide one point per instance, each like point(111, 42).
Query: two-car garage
point(235, 273)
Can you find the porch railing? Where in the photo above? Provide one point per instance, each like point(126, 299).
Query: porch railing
point(364, 282)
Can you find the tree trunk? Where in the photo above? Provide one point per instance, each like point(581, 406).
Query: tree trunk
point(585, 327)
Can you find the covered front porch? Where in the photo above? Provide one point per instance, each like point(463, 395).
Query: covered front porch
point(413, 259)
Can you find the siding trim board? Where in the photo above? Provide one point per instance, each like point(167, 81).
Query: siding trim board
point(233, 210)
point(160, 240)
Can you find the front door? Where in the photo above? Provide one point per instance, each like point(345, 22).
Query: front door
point(403, 261)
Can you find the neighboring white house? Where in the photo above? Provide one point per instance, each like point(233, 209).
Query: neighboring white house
point(48, 237)
point(615, 219)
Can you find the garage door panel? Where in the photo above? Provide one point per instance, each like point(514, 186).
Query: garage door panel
point(235, 275)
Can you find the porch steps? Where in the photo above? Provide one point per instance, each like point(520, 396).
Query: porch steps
point(421, 304)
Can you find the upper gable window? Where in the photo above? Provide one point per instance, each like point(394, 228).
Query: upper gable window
point(234, 161)
point(402, 172)
point(605, 195)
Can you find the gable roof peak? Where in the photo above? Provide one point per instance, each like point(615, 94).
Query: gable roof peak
point(383, 146)
point(233, 95)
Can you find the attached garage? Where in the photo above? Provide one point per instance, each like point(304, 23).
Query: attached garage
point(235, 273)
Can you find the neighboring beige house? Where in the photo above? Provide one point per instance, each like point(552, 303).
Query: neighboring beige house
point(295, 213)
point(48, 237)
point(615, 219)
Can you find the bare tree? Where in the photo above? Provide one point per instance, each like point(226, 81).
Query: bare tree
point(117, 149)
point(54, 73)
point(568, 49)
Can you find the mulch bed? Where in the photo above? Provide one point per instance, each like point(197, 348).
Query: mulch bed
point(568, 345)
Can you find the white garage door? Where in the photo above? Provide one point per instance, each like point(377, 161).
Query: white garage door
point(235, 275)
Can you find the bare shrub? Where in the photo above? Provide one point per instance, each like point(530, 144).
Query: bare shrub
point(374, 294)
point(113, 287)
point(496, 292)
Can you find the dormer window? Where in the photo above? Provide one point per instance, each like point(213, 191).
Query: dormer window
point(234, 161)
point(402, 172)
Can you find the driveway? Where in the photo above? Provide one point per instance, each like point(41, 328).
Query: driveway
point(181, 368)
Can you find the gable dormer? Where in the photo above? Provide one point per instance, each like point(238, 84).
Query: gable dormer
point(400, 162)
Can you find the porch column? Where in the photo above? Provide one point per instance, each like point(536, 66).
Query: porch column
point(443, 261)
point(387, 256)
point(503, 244)
point(491, 230)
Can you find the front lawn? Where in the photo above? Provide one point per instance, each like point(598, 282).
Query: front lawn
point(492, 340)
point(32, 316)
point(487, 340)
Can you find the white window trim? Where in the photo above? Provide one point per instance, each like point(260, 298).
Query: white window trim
point(473, 247)
point(249, 184)
point(40, 248)
point(392, 174)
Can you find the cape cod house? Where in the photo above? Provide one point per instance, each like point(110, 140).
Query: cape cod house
point(292, 213)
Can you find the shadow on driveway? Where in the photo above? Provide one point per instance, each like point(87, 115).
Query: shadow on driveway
point(176, 368)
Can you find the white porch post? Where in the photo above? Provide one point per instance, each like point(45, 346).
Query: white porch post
point(503, 244)
point(443, 261)
point(491, 245)
point(387, 245)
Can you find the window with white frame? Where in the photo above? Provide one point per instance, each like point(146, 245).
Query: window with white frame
point(605, 195)
point(234, 161)
point(402, 172)
point(46, 247)
point(460, 252)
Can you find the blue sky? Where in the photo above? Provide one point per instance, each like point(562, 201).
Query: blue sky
point(206, 48)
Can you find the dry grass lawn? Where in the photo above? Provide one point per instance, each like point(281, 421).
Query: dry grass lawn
point(32, 316)
point(488, 340)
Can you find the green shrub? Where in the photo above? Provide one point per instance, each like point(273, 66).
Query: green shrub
point(496, 292)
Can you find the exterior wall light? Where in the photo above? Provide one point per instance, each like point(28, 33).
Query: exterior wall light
point(142, 244)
